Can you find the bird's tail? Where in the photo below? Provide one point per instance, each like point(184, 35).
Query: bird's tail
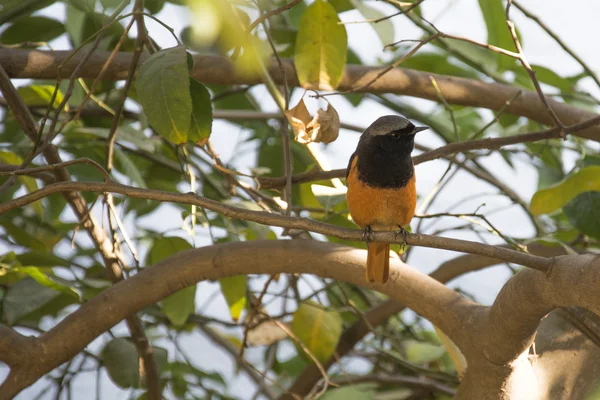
point(378, 262)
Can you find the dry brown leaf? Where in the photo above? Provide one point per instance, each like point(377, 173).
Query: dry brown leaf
point(324, 127)
point(298, 118)
point(265, 334)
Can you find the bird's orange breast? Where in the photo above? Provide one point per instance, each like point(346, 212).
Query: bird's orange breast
point(381, 208)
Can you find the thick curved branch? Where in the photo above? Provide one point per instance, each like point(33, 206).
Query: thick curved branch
point(380, 313)
point(38, 64)
point(429, 298)
point(449, 149)
point(284, 221)
point(511, 322)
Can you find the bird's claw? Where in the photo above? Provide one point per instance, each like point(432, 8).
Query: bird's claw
point(401, 231)
point(368, 234)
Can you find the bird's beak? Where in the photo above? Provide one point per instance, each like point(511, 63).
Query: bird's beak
point(419, 129)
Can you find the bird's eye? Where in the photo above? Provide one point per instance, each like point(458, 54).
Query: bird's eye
point(395, 135)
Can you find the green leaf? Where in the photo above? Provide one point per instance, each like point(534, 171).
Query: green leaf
point(24, 298)
point(419, 353)
point(40, 95)
point(201, 122)
point(124, 133)
point(128, 167)
point(317, 328)
point(328, 196)
point(42, 259)
point(29, 182)
point(549, 77)
point(342, 5)
point(341, 294)
point(584, 213)
point(547, 200)
point(384, 28)
point(82, 22)
point(15, 8)
point(163, 88)
point(165, 247)
point(110, 3)
point(439, 64)
point(32, 29)
point(234, 291)
point(363, 391)
point(121, 361)
point(154, 6)
point(321, 47)
point(479, 55)
point(498, 32)
point(180, 305)
point(22, 237)
point(47, 281)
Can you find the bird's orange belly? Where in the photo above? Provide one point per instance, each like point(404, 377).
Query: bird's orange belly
point(380, 208)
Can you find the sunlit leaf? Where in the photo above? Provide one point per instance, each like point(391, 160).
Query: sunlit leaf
point(320, 47)
point(40, 95)
point(163, 88)
point(419, 353)
point(317, 328)
point(547, 200)
point(47, 281)
point(234, 291)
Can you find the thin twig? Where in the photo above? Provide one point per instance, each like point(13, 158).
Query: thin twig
point(139, 47)
point(273, 219)
point(376, 20)
point(452, 148)
point(530, 71)
point(559, 41)
point(271, 13)
point(54, 167)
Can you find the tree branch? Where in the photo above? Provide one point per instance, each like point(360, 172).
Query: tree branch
point(452, 148)
point(439, 304)
point(380, 313)
point(283, 221)
point(513, 319)
point(38, 64)
point(96, 233)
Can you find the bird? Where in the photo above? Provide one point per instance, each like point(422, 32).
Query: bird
point(381, 185)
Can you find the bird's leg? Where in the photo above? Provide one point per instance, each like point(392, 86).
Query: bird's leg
point(368, 234)
point(404, 233)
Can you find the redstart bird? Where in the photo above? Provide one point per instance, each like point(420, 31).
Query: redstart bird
point(381, 185)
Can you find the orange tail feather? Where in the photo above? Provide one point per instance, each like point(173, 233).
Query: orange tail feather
point(378, 262)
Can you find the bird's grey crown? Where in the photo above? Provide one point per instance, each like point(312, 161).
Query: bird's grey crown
point(387, 124)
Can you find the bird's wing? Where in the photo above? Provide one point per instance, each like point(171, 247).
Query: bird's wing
point(350, 164)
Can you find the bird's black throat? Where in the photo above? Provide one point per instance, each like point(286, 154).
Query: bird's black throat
point(385, 161)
